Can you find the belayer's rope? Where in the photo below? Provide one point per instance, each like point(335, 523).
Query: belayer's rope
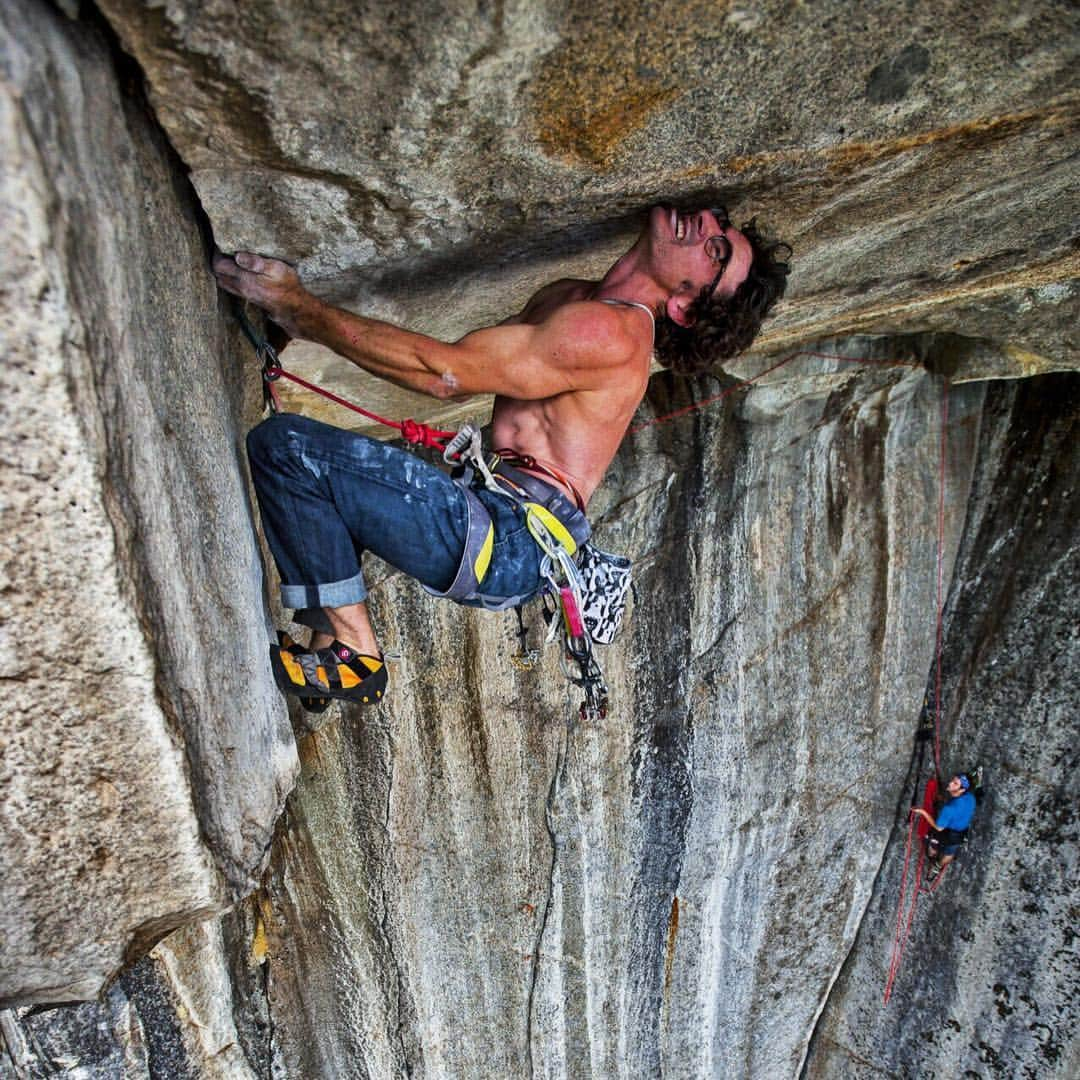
point(903, 925)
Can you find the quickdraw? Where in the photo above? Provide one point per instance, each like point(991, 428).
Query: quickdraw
point(561, 573)
point(267, 356)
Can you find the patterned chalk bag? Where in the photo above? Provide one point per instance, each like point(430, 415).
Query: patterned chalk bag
point(605, 584)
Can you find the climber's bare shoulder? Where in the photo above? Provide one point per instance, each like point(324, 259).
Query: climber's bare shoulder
point(550, 297)
point(592, 343)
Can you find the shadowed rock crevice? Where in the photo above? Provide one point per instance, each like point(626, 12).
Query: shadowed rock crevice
point(1008, 704)
point(131, 534)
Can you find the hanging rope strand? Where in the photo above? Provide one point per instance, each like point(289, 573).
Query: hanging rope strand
point(745, 384)
point(897, 948)
point(903, 926)
point(939, 635)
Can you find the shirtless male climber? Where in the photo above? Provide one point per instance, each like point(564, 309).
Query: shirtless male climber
point(567, 373)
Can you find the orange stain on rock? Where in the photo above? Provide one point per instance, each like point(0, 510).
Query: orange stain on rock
point(593, 133)
point(260, 942)
point(672, 934)
point(618, 66)
point(849, 156)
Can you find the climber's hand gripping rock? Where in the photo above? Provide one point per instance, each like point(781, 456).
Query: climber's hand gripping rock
point(270, 284)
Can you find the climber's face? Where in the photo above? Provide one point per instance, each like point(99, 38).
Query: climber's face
point(696, 251)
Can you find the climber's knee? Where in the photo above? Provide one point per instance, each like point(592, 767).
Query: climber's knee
point(268, 436)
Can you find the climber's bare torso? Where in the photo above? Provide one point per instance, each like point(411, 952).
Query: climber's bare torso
point(579, 431)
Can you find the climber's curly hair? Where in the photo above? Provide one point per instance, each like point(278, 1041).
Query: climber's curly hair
point(726, 326)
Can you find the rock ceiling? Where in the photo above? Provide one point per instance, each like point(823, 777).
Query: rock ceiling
point(433, 166)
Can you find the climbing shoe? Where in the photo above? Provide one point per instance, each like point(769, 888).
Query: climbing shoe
point(334, 672)
point(286, 644)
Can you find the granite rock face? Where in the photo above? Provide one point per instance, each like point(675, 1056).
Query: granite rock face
point(146, 753)
point(989, 980)
point(472, 881)
point(167, 1015)
point(673, 891)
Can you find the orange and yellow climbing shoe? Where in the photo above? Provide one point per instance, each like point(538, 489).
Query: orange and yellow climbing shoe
point(334, 672)
point(294, 648)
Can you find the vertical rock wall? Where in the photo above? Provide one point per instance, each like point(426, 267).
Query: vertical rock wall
point(472, 882)
point(990, 982)
point(146, 754)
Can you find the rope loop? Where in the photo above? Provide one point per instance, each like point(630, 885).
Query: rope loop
point(414, 432)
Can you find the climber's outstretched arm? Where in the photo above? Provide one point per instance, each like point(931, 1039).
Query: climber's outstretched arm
point(572, 350)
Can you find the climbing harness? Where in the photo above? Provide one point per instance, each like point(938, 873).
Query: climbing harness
point(559, 538)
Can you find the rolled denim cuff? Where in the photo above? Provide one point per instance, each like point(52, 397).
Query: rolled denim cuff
point(333, 594)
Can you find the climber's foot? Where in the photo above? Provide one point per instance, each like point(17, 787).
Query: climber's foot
point(286, 644)
point(334, 672)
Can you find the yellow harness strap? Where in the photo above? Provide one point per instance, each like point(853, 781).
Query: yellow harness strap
point(553, 525)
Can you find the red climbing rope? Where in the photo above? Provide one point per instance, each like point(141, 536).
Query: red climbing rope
point(903, 926)
point(411, 430)
point(894, 958)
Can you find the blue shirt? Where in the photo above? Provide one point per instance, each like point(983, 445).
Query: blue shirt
point(957, 813)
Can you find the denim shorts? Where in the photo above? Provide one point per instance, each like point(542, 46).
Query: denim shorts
point(327, 495)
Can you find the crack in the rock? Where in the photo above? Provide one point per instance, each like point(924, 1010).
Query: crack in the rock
point(271, 1028)
point(557, 844)
point(399, 984)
